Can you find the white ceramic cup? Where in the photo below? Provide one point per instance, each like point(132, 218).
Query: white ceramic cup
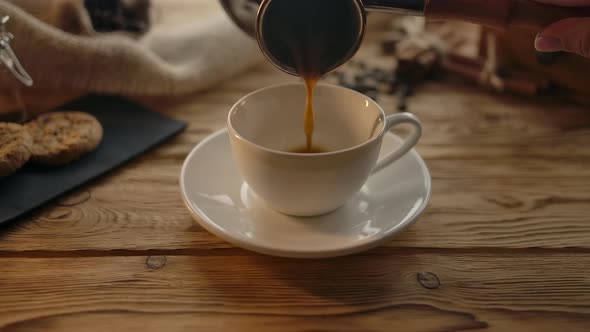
point(264, 125)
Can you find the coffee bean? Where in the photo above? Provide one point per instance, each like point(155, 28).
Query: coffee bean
point(408, 90)
point(381, 76)
point(359, 80)
point(116, 15)
point(402, 96)
point(402, 104)
point(347, 85)
point(390, 42)
point(338, 75)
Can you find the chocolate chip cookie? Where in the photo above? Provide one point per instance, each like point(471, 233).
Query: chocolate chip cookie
point(62, 137)
point(15, 147)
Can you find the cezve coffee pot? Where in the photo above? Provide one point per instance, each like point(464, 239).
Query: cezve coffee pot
point(250, 15)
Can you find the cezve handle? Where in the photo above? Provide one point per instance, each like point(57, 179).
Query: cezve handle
point(502, 13)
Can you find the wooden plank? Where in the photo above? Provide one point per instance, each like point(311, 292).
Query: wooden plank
point(472, 124)
point(379, 291)
point(126, 212)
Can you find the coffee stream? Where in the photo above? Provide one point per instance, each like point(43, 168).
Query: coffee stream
point(311, 37)
point(309, 118)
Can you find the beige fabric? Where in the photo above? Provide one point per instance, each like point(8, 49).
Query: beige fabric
point(66, 58)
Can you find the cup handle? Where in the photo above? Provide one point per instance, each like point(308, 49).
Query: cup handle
point(392, 121)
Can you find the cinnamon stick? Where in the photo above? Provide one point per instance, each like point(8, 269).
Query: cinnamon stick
point(471, 69)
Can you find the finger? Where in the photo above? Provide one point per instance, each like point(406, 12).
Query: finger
point(566, 3)
point(571, 35)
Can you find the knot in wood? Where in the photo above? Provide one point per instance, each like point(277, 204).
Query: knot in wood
point(155, 262)
point(75, 199)
point(428, 280)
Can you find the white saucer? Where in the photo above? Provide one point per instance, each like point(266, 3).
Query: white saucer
point(217, 197)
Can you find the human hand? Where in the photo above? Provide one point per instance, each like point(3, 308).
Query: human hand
point(570, 35)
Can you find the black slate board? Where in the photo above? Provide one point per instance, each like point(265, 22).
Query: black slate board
point(129, 130)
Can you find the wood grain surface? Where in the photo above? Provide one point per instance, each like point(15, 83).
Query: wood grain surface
point(378, 291)
point(503, 246)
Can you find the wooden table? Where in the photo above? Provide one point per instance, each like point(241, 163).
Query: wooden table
point(503, 246)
